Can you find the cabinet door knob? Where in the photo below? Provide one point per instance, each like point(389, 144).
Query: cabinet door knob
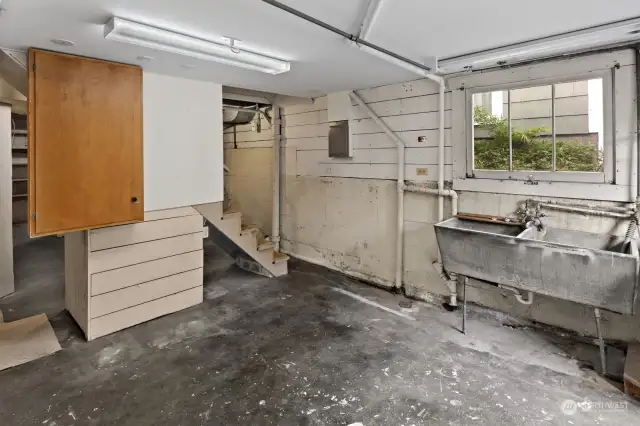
point(134, 200)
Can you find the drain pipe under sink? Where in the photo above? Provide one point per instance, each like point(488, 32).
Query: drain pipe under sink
point(518, 295)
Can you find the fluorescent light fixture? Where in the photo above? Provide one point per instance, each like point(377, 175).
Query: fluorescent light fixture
point(119, 29)
point(609, 35)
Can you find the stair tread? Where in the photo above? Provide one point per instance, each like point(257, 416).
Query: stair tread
point(265, 245)
point(231, 215)
point(279, 257)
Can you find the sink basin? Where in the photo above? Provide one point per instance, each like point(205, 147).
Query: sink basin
point(485, 227)
point(579, 239)
point(591, 269)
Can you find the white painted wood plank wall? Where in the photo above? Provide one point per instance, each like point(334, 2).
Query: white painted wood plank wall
point(411, 109)
point(120, 276)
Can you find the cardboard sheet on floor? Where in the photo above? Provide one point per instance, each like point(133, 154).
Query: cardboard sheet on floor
point(26, 340)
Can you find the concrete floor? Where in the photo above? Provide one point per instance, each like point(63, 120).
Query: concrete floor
point(298, 350)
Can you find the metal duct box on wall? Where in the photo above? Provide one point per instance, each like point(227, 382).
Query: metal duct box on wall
point(340, 145)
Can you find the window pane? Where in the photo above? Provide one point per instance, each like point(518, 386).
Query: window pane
point(490, 131)
point(579, 126)
point(531, 128)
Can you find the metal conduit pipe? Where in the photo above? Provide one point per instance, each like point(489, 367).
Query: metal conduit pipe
point(635, 224)
point(591, 212)
point(628, 210)
point(401, 187)
point(407, 63)
point(441, 158)
point(440, 192)
point(277, 166)
point(400, 184)
point(353, 38)
point(452, 283)
point(370, 18)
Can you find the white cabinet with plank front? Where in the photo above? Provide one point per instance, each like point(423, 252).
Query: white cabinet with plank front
point(121, 276)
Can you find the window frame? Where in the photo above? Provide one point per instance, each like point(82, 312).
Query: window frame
point(608, 144)
point(621, 63)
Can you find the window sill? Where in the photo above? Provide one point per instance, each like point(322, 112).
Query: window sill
point(521, 175)
point(585, 191)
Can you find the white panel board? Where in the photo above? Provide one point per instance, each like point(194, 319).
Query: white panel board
point(117, 279)
point(119, 257)
point(6, 204)
point(145, 292)
point(145, 312)
point(182, 142)
point(118, 236)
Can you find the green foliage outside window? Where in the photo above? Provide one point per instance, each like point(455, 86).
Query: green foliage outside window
point(531, 151)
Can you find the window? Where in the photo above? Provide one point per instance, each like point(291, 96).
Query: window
point(552, 131)
point(593, 98)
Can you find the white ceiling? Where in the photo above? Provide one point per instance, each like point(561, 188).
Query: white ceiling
point(321, 62)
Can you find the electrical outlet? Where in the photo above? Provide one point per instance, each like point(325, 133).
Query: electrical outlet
point(422, 171)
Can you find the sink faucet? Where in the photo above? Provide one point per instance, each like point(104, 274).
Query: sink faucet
point(534, 218)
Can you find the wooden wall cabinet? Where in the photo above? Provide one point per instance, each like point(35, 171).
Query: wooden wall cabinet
point(84, 143)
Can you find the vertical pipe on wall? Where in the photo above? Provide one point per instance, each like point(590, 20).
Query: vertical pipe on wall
point(510, 130)
point(400, 238)
point(637, 131)
point(451, 281)
point(277, 138)
point(441, 158)
point(553, 126)
point(400, 184)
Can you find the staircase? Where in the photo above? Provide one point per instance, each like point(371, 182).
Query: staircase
point(251, 244)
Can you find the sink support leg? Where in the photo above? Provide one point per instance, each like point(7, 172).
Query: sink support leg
point(603, 356)
point(464, 304)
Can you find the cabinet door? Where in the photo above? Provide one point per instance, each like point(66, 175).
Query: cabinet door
point(84, 143)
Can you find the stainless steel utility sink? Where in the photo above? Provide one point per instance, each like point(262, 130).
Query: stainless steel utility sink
point(592, 269)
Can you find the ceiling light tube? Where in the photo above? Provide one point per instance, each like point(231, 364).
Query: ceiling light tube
point(125, 31)
point(574, 42)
